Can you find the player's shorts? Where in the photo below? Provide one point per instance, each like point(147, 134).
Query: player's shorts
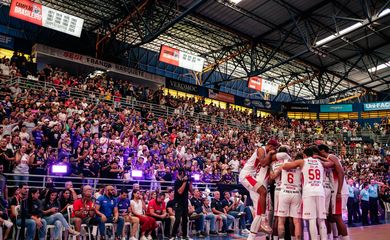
point(313, 207)
point(276, 201)
point(252, 183)
point(290, 204)
point(328, 196)
point(338, 205)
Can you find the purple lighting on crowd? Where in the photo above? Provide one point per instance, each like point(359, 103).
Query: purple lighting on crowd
point(59, 169)
point(136, 173)
point(196, 176)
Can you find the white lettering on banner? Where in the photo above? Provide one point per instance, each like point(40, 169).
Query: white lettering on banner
point(61, 21)
point(93, 62)
point(5, 39)
point(377, 106)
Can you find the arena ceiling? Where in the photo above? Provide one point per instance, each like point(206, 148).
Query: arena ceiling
point(315, 49)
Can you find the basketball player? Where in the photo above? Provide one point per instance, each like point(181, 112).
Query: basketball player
point(277, 161)
point(290, 200)
point(254, 177)
point(339, 197)
point(313, 196)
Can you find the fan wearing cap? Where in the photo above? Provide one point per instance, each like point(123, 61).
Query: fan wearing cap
point(254, 177)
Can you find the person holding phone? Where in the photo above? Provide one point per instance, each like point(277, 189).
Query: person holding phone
point(51, 214)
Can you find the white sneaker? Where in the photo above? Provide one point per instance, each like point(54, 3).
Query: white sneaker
point(149, 237)
point(143, 238)
point(245, 231)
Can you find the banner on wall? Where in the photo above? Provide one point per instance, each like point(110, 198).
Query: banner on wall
point(330, 108)
point(96, 63)
point(375, 106)
point(6, 41)
point(180, 58)
point(221, 96)
point(259, 84)
point(38, 14)
point(181, 86)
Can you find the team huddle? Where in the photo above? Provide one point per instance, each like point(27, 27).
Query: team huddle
point(312, 187)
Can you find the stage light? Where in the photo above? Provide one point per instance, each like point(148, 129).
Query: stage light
point(59, 169)
point(136, 173)
point(196, 177)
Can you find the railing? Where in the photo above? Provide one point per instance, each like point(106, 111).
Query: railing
point(58, 181)
point(95, 97)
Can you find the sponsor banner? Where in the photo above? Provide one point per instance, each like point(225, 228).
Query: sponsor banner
point(182, 86)
point(38, 14)
point(375, 106)
point(259, 84)
point(221, 96)
point(364, 139)
point(182, 59)
point(336, 108)
point(96, 63)
point(300, 107)
point(6, 41)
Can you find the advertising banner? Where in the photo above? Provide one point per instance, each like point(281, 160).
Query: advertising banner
point(46, 17)
point(97, 63)
point(182, 59)
point(329, 108)
point(181, 86)
point(375, 106)
point(259, 84)
point(6, 41)
point(221, 96)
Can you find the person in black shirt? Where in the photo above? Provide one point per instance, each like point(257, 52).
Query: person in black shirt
point(35, 213)
point(197, 203)
point(218, 208)
point(182, 187)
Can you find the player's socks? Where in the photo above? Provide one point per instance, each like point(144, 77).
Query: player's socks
point(276, 238)
point(251, 236)
point(344, 238)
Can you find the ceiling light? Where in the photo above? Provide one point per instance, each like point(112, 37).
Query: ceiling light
point(379, 67)
point(384, 12)
point(235, 1)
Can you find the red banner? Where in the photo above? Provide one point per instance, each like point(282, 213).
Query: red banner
point(221, 96)
point(255, 83)
point(27, 11)
point(169, 55)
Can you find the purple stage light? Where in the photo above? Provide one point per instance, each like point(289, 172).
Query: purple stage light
point(196, 177)
point(59, 169)
point(136, 173)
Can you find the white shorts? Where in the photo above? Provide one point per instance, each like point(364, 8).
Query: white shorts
point(276, 202)
point(313, 207)
point(290, 205)
point(328, 196)
point(252, 183)
point(339, 205)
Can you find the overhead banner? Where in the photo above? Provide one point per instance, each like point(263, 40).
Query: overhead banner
point(336, 108)
point(375, 106)
point(259, 84)
point(38, 14)
point(221, 96)
point(6, 41)
point(182, 59)
point(96, 63)
point(181, 86)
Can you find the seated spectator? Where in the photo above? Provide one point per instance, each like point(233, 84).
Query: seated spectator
point(107, 210)
point(124, 209)
point(210, 216)
point(236, 209)
point(4, 222)
point(138, 208)
point(157, 210)
point(196, 203)
point(34, 213)
point(65, 200)
point(219, 209)
point(83, 210)
point(52, 215)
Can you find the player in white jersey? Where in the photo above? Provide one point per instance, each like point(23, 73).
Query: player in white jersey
point(290, 200)
point(277, 161)
point(254, 177)
point(313, 196)
point(339, 197)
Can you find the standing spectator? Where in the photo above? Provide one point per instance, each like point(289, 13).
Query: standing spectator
point(107, 210)
point(22, 161)
point(3, 184)
point(364, 197)
point(182, 188)
point(373, 201)
point(138, 208)
point(125, 212)
point(157, 210)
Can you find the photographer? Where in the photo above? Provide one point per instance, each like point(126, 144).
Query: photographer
point(182, 187)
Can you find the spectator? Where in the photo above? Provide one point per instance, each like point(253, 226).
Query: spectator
point(364, 197)
point(34, 212)
point(124, 209)
point(157, 210)
point(235, 209)
point(138, 208)
point(4, 222)
point(107, 210)
point(52, 216)
point(218, 208)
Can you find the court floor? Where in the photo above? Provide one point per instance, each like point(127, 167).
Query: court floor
point(374, 232)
